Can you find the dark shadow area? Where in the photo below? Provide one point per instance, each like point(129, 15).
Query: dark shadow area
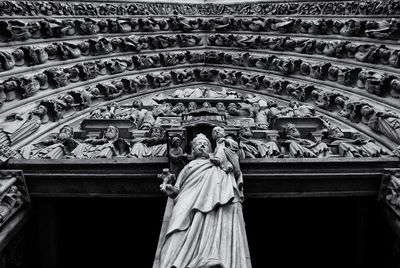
point(298, 232)
point(108, 232)
point(323, 232)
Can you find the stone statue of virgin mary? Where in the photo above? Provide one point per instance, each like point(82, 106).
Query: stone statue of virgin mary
point(205, 227)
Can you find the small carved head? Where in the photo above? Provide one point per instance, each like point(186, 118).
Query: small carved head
point(192, 106)
point(18, 54)
point(217, 133)
point(291, 130)
point(335, 132)
point(176, 141)
point(68, 99)
point(156, 131)
point(293, 104)
point(179, 108)
point(271, 103)
point(232, 106)
point(220, 107)
point(66, 132)
point(207, 105)
point(245, 131)
point(40, 110)
point(137, 104)
point(112, 133)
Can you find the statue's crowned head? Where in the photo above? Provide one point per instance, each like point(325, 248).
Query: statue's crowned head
point(201, 146)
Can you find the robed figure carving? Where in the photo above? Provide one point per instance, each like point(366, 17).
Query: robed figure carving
point(205, 227)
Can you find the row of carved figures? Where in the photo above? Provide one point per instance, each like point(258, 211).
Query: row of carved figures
point(50, 8)
point(376, 54)
point(36, 55)
point(110, 145)
point(383, 121)
point(17, 30)
point(377, 83)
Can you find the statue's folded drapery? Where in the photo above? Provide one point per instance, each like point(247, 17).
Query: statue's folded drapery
point(206, 227)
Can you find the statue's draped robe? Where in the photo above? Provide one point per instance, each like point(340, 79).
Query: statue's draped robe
point(206, 225)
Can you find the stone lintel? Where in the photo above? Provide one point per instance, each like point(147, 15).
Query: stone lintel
point(264, 178)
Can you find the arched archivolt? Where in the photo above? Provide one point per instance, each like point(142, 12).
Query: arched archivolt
point(330, 60)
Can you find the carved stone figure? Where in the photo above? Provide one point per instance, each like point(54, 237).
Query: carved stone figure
point(299, 147)
point(22, 126)
point(53, 148)
point(10, 201)
point(143, 118)
point(387, 123)
point(153, 146)
point(109, 146)
point(357, 147)
point(7, 61)
point(254, 148)
point(206, 206)
point(177, 156)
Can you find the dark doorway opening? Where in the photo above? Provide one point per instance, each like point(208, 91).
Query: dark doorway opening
point(307, 232)
point(108, 232)
point(317, 232)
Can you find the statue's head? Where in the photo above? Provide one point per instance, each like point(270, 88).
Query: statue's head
point(220, 107)
point(138, 104)
point(112, 133)
point(218, 132)
point(156, 131)
point(232, 106)
point(40, 110)
point(68, 99)
point(192, 106)
point(245, 131)
point(10, 85)
point(201, 146)
point(41, 77)
point(207, 105)
point(271, 103)
point(66, 132)
point(179, 108)
point(291, 130)
point(176, 141)
point(95, 91)
point(18, 54)
point(335, 132)
point(256, 106)
point(293, 104)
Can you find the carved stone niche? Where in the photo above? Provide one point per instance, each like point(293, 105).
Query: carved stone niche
point(304, 124)
point(13, 194)
point(389, 192)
